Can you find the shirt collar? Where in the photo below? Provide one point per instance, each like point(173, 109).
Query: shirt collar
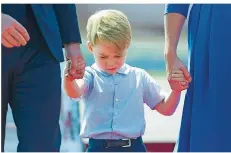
point(123, 70)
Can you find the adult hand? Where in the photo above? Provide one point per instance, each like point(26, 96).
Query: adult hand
point(13, 33)
point(77, 64)
point(173, 64)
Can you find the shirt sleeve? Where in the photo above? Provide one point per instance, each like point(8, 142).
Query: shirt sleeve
point(177, 8)
point(152, 92)
point(88, 81)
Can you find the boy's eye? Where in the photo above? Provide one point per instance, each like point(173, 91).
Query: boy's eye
point(103, 57)
point(117, 56)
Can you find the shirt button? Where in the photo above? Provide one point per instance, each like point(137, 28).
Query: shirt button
point(116, 100)
point(114, 126)
point(115, 113)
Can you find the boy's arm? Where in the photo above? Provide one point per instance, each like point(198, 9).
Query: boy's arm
point(74, 88)
point(152, 92)
point(78, 87)
point(157, 99)
point(168, 105)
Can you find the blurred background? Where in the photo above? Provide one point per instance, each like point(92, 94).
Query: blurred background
point(146, 51)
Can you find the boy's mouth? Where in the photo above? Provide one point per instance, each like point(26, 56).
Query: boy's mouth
point(111, 69)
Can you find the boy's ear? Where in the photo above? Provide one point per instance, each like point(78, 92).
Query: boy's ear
point(90, 48)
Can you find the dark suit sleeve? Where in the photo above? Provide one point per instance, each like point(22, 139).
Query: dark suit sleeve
point(68, 23)
point(177, 8)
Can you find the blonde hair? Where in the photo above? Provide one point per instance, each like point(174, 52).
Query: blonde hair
point(109, 26)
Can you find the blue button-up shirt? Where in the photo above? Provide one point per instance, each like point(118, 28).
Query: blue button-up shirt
point(114, 104)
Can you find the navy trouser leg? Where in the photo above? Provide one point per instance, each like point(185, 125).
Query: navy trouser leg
point(35, 99)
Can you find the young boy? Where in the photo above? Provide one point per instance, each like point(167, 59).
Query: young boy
point(114, 92)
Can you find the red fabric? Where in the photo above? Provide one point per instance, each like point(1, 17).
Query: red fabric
point(160, 147)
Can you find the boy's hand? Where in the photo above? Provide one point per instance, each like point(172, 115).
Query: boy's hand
point(177, 80)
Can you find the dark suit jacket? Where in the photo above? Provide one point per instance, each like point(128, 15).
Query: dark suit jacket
point(58, 24)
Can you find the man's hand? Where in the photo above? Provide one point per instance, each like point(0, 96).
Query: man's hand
point(174, 67)
point(76, 67)
point(13, 33)
point(80, 65)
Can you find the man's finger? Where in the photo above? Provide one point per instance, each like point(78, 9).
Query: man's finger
point(78, 76)
point(6, 43)
point(73, 66)
point(22, 31)
point(82, 62)
point(80, 58)
point(79, 73)
point(68, 68)
point(11, 39)
point(68, 64)
point(17, 36)
point(74, 62)
point(81, 67)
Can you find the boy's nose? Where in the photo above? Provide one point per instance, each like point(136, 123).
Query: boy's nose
point(110, 63)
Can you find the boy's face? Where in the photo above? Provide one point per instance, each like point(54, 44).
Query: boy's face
point(109, 58)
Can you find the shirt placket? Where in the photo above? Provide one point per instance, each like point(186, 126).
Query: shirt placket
point(115, 105)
